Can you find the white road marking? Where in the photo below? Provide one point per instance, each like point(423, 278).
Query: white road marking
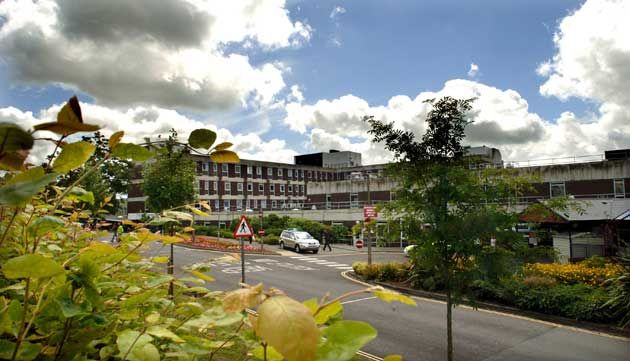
point(347, 268)
point(336, 265)
point(357, 300)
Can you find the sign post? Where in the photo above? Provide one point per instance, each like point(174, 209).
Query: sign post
point(369, 212)
point(243, 229)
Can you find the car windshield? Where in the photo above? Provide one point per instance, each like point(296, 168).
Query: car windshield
point(302, 235)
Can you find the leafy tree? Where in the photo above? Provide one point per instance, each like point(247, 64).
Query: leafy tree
point(110, 178)
point(169, 180)
point(452, 210)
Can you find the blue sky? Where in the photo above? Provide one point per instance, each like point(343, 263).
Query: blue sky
point(281, 78)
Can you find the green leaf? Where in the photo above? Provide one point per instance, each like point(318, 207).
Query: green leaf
point(162, 332)
point(158, 221)
point(44, 225)
point(223, 146)
point(289, 327)
point(344, 339)
point(133, 344)
point(197, 212)
point(69, 308)
point(389, 296)
point(238, 300)
point(80, 194)
point(27, 175)
point(202, 138)
point(69, 120)
point(13, 138)
point(115, 138)
point(182, 216)
point(224, 156)
point(12, 161)
point(28, 351)
point(131, 151)
point(272, 354)
point(202, 276)
point(327, 312)
point(158, 280)
point(393, 358)
point(160, 259)
point(19, 193)
point(312, 305)
point(73, 155)
point(31, 266)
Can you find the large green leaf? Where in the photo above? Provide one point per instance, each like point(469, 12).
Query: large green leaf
point(389, 296)
point(73, 155)
point(289, 327)
point(223, 146)
point(69, 120)
point(80, 194)
point(344, 339)
point(19, 193)
point(12, 161)
point(238, 300)
point(161, 332)
point(136, 346)
point(182, 216)
point(13, 138)
point(224, 156)
point(45, 224)
point(197, 212)
point(202, 138)
point(31, 266)
point(131, 151)
point(115, 138)
point(27, 175)
point(327, 312)
point(28, 351)
point(271, 355)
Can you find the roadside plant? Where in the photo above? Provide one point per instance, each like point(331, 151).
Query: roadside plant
point(64, 294)
point(619, 291)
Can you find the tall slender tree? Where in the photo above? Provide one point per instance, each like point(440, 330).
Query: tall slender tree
point(456, 210)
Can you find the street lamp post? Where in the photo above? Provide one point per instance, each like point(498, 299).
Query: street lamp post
point(369, 200)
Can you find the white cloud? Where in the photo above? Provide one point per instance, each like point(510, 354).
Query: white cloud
point(296, 94)
point(473, 70)
point(169, 53)
point(501, 119)
point(335, 42)
point(141, 122)
point(593, 53)
point(336, 11)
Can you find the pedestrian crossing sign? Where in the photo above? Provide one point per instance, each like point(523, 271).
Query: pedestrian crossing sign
point(243, 229)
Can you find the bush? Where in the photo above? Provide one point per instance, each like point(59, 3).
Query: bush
point(595, 262)
point(539, 282)
point(383, 272)
point(272, 240)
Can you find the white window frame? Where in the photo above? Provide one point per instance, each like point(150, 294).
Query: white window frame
point(239, 187)
point(227, 187)
point(290, 173)
point(261, 187)
point(215, 168)
point(622, 193)
point(215, 186)
point(272, 188)
point(250, 187)
point(263, 204)
point(269, 172)
point(279, 173)
point(224, 169)
point(237, 169)
point(258, 170)
point(249, 170)
point(310, 174)
point(274, 204)
point(290, 188)
point(205, 166)
point(557, 184)
point(239, 204)
point(281, 188)
point(217, 205)
point(301, 188)
point(226, 201)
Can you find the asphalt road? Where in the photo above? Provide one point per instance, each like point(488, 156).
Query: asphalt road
point(416, 333)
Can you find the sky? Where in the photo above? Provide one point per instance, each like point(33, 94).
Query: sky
point(278, 78)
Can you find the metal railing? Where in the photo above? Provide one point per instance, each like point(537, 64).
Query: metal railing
point(555, 161)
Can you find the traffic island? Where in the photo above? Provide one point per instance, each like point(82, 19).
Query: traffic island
point(223, 245)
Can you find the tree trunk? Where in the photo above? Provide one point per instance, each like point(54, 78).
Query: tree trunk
point(449, 325)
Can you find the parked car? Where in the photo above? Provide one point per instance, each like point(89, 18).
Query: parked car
point(298, 241)
point(408, 249)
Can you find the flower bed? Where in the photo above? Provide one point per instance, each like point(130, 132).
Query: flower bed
point(211, 243)
point(573, 273)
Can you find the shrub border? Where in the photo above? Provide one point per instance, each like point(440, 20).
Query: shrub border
point(552, 320)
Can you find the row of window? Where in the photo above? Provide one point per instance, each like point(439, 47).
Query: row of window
point(254, 204)
point(227, 187)
point(558, 189)
point(291, 173)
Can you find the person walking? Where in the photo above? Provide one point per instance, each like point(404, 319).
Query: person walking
point(326, 239)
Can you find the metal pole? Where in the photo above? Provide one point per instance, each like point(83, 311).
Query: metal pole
point(242, 260)
point(369, 199)
point(401, 234)
point(171, 265)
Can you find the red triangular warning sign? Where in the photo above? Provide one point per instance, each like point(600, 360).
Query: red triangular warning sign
point(243, 229)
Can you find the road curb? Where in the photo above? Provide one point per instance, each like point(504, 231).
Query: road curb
point(189, 246)
point(551, 320)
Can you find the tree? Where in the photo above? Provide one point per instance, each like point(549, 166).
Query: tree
point(454, 211)
point(110, 178)
point(169, 180)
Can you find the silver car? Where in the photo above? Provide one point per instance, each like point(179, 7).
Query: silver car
point(298, 241)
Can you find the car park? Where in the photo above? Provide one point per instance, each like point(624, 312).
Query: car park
point(299, 241)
